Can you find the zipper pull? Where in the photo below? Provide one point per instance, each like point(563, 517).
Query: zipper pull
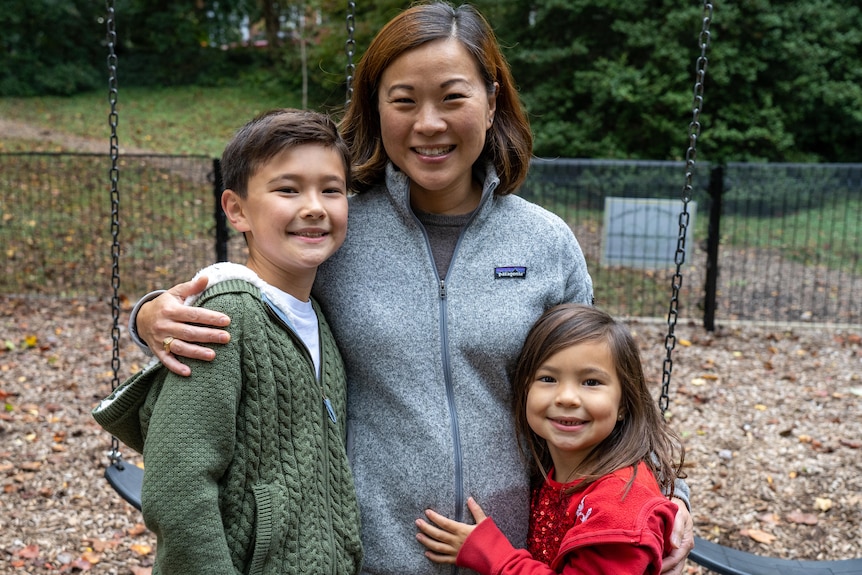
point(329, 409)
point(442, 289)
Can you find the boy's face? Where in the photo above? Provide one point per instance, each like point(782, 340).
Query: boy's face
point(295, 214)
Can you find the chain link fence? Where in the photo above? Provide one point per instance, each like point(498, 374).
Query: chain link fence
point(768, 243)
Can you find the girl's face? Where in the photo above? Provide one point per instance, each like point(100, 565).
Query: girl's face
point(573, 403)
point(434, 114)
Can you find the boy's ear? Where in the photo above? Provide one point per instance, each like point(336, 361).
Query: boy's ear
point(232, 205)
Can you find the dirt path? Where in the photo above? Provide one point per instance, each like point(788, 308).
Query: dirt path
point(48, 139)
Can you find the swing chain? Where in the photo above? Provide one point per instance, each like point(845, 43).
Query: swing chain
point(690, 156)
point(350, 50)
point(114, 454)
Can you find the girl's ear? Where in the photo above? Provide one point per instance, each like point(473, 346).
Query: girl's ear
point(232, 205)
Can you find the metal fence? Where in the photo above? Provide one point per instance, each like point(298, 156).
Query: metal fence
point(769, 243)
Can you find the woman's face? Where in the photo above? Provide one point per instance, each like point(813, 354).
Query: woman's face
point(434, 115)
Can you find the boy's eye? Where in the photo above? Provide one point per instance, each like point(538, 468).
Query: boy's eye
point(286, 191)
point(333, 191)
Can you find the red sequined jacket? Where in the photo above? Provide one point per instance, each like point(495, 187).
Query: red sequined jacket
point(594, 531)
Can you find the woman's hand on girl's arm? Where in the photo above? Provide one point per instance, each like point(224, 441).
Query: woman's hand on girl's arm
point(682, 539)
point(170, 328)
point(445, 537)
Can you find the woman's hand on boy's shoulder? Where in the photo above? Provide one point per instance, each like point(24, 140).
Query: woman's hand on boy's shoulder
point(172, 329)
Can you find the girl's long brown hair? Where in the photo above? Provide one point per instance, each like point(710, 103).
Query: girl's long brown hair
point(642, 435)
point(509, 141)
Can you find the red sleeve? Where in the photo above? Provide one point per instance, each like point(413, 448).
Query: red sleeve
point(617, 558)
point(488, 552)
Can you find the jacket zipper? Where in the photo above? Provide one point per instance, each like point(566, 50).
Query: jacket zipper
point(454, 426)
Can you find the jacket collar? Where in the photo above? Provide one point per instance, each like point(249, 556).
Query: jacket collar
point(398, 188)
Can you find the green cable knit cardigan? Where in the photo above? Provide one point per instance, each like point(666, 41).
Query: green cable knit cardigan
point(245, 472)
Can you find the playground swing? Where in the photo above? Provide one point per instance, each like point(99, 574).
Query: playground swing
point(127, 479)
point(719, 558)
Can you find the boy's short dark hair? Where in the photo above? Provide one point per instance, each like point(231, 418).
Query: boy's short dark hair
point(271, 133)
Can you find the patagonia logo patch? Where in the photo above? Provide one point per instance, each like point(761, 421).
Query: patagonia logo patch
point(510, 272)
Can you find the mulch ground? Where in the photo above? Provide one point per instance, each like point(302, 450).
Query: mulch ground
point(771, 420)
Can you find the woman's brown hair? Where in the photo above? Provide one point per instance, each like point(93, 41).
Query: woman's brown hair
point(509, 141)
point(641, 435)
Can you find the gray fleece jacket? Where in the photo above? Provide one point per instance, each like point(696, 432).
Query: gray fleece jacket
point(429, 400)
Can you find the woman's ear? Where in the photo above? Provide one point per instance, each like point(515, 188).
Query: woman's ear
point(232, 205)
point(492, 105)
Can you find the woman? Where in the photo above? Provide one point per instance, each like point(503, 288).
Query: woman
point(431, 296)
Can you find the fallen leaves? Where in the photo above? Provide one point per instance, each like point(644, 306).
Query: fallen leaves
point(136, 530)
point(822, 503)
point(141, 548)
point(92, 553)
point(802, 518)
point(758, 535)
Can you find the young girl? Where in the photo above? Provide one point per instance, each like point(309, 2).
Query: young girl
point(600, 455)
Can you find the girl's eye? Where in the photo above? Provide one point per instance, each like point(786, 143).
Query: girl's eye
point(546, 379)
point(592, 382)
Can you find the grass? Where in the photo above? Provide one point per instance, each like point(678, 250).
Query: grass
point(175, 120)
point(828, 235)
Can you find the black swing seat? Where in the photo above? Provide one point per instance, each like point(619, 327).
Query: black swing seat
point(127, 480)
point(727, 561)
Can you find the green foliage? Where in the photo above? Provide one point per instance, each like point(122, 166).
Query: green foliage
point(789, 81)
point(50, 47)
point(606, 79)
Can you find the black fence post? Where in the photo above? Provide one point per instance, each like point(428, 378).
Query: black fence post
point(716, 190)
point(221, 229)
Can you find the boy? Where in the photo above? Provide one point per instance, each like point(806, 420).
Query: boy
point(245, 465)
